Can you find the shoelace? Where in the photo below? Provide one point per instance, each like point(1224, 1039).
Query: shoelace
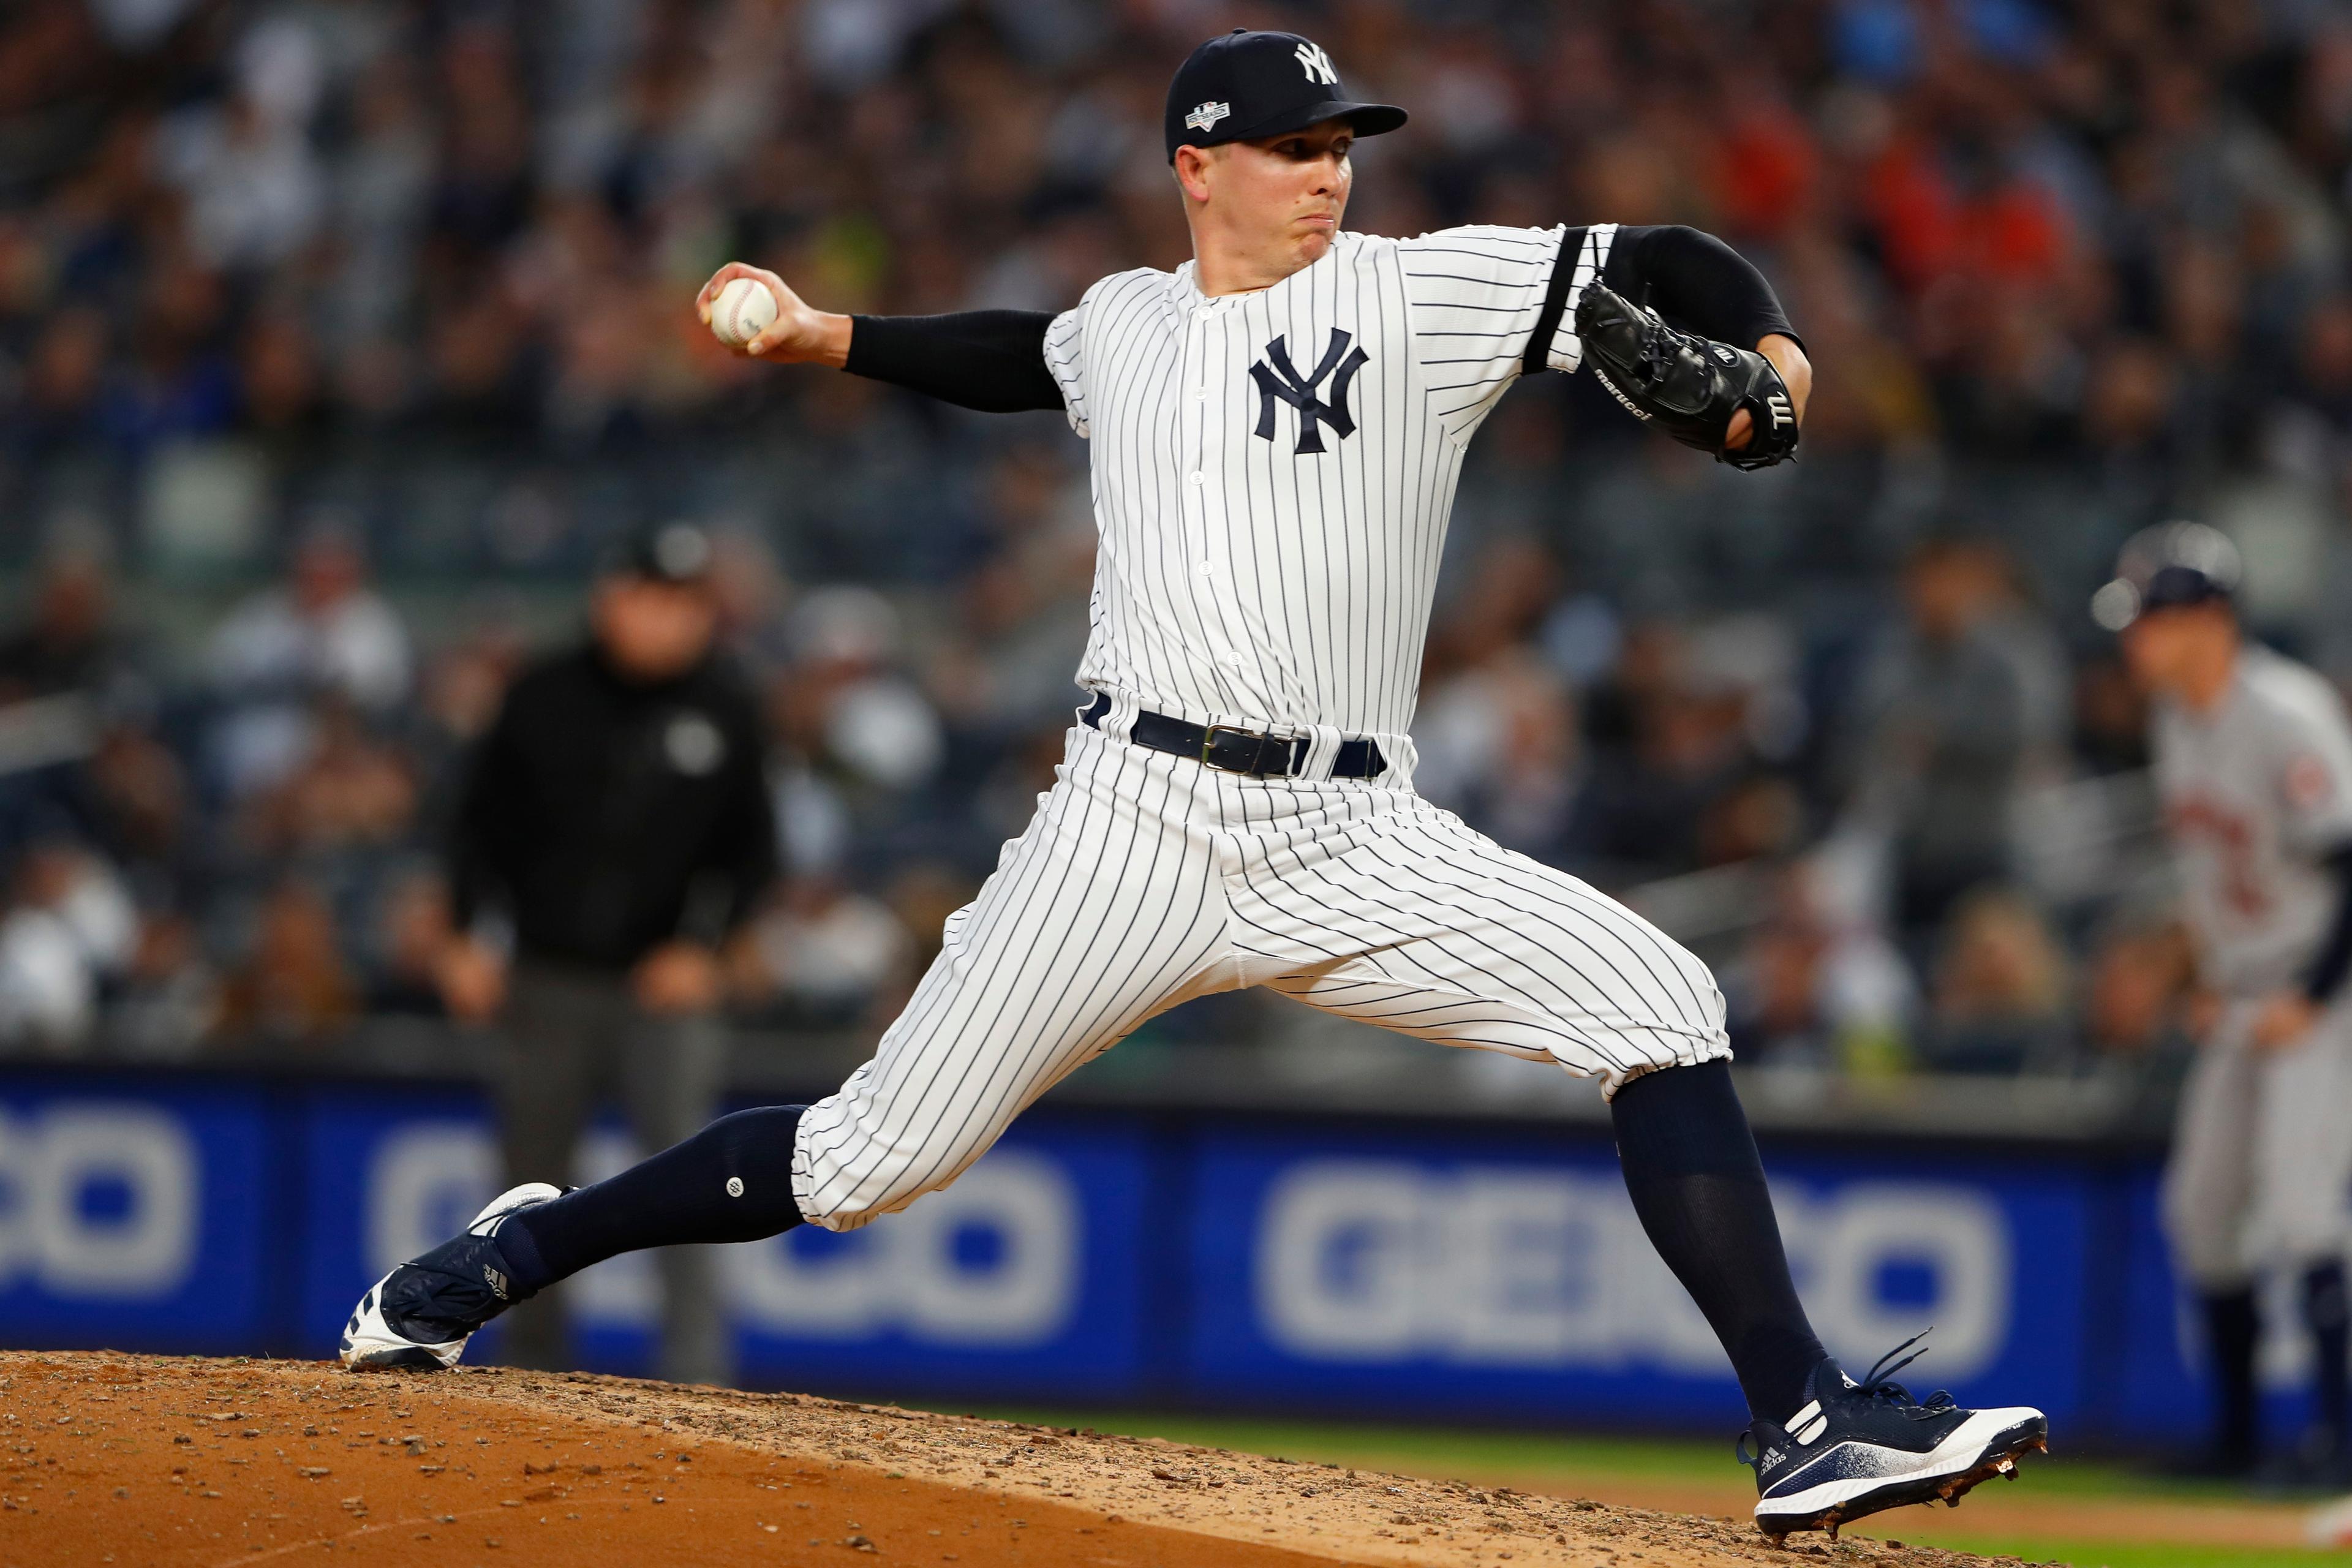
point(1657, 350)
point(1880, 1384)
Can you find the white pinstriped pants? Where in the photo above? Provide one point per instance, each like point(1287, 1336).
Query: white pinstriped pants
point(1145, 879)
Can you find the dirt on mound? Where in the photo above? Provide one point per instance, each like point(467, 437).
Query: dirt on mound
point(147, 1459)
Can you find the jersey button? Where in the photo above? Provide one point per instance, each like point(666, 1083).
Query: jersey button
point(1197, 476)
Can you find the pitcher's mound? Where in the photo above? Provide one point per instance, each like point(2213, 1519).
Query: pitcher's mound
point(159, 1460)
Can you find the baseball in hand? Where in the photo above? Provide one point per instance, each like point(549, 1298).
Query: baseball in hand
point(742, 310)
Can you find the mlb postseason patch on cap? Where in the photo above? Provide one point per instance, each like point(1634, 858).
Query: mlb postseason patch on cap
point(1206, 117)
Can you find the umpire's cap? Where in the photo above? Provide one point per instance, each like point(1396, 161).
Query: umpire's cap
point(1247, 85)
point(2171, 563)
point(678, 554)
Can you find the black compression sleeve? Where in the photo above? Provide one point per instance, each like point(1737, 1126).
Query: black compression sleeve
point(993, 360)
point(1696, 281)
point(2326, 976)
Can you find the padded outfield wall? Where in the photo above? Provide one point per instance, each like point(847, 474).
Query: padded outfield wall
point(1347, 1264)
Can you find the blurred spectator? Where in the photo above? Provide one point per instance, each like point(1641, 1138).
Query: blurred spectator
point(71, 642)
point(68, 926)
point(349, 791)
point(411, 937)
point(1501, 748)
point(1955, 711)
point(465, 683)
point(324, 631)
point(293, 986)
point(62, 382)
point(136, 797)
point(2141, 975)
point(1684, 733)
point(824, 955)
point(323, 635)
point(169, 1000)
point(254, 189)
point(457, 700)
point(1999, 999)
point(754, 597)
point(1811, 989)
point(1025, 615)
point(850, 706)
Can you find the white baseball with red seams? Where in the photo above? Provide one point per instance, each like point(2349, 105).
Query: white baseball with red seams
point(743, 310)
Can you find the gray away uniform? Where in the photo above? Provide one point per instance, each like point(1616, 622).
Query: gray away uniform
point(2256, 795)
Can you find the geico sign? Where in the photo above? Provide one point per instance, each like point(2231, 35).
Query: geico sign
point(992, 1261)
point(1387, 1261)
point(98, 1201)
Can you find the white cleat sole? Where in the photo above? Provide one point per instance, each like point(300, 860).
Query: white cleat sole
point(1985, 1444)
point(369, 1343)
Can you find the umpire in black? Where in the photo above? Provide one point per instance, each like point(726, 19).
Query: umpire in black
point(618, 814)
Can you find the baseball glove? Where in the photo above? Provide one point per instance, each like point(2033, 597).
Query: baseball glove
point(1689, 386)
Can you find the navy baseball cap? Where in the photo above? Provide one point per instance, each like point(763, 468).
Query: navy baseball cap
point(1246, 85)
point(2171, 563)
point(678, 554)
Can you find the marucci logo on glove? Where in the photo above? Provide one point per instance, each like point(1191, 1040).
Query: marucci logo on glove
point(1691, 388)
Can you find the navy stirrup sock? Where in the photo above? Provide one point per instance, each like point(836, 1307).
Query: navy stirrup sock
point(1697, 1183)
point(731, 1182)
point(2233, 1331)
point(2325, 1314)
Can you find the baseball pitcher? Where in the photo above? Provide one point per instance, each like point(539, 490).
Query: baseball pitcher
point(1274, 433)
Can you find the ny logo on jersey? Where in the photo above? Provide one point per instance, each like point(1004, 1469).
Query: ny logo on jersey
point(1283, 380)
point(1317, 64)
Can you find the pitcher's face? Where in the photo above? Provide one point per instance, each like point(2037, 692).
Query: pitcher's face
point(1288, 193)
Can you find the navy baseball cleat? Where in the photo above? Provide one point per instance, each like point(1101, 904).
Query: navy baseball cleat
point(418, 1317)
point(1856, 1448)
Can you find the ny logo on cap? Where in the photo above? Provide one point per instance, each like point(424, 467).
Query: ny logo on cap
point(1283, 382)
point(1319, 63)
point(1206, 116)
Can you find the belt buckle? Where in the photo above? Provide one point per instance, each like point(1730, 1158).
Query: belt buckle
point(1209, 741)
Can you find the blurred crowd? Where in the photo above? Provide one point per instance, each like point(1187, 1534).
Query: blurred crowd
point(337, 339)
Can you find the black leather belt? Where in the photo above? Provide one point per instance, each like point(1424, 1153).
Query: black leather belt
point(1232, 751)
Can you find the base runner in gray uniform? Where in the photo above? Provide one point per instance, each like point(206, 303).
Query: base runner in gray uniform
point(1274, 430)
point(2254, 764)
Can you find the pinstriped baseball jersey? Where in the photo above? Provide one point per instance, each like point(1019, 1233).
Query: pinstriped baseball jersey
point(1272, 472)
